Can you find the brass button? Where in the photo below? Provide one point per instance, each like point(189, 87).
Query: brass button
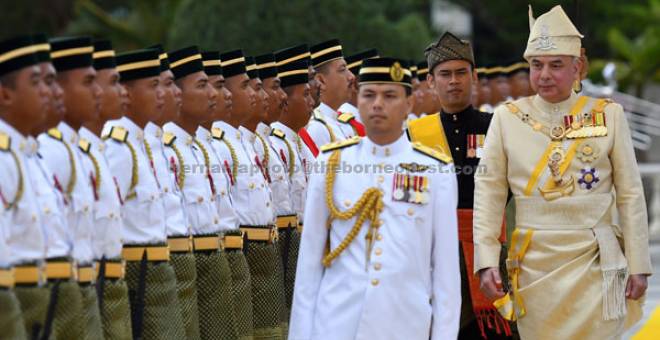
point(375, 282)
point(222, 193)
point(410, 211)
point(381, 179)
point(379, 237)
point(347, 203)
point(456, 131)
point(200, 199)
point(47, 211)
point(215, 220)
point(112, 215)
point(379, 223)
point(280, 177)
point(458, 149)
point(377, 266)
point(378, 251)
point(86, 209)
point(251, 185)
point(166, 189)
point(34, 217)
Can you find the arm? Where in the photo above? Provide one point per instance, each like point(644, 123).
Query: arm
point(309, 272)
point(446, 274)
point(629, 193)
point(490, 196)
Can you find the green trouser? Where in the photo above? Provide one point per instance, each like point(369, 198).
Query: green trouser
point(241, 293)
point(91, 314)
point(69, 319)
point(12, 326)
point(155, 311)
point(185, 268)
point(115, 311)
point(216, 305)
point(34, 305)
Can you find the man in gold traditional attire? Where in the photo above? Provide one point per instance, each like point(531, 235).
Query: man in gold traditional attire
point(578, 260)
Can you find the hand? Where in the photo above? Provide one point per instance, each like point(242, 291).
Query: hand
point(637, 284)
point(491, 283)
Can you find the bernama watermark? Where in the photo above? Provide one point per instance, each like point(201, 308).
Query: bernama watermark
point(322, 167)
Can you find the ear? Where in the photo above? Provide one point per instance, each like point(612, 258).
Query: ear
point(6, 96)
point(475, 78)
point(320, 78)
point(430, 80)
point(410, 102)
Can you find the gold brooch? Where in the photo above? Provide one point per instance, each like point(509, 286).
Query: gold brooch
point(588, 152)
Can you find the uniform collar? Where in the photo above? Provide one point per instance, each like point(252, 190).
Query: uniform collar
point(555, 109)
point(458, 117)
point(349, 108)
point(134, 132)
point(153, 130)
point(327, 112)
point(181, 134)
point(203, 134)
point(247, 135)
point(288, 132)
point(228, 129)
point(31, 146)
point(68, 133)
point(18, 141)
point(400, 145)
point(263, 130)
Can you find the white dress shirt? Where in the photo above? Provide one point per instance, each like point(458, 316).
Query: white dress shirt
point(297, 180)
point(176, 218)
point(410, 287)
point(350, 108)
point(143, 210)
point(278, 173)
point(319, 131)
point(106, 239)
point(24, 234)
point(250, 194)
point(222, 184)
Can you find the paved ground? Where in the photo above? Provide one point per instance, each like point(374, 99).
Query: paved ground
point(653, 293)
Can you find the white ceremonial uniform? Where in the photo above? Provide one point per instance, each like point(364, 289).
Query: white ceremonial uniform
point(143, 210)
point(324, 119)
point(410, 287)
point(221, 182)
point(295, 160)
point(250, 194)
point(350, 108)
point(63, 157)
point(277, 171)
point(190, 174)
point(176, 218)
point(106, 239)
point(25, 234)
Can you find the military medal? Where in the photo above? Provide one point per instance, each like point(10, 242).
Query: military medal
point(588, 178)
point(397, 193)
point(424, 195)
point(471, 146)
point(481, 139)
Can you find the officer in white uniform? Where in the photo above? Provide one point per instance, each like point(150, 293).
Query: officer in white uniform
point(392, 270)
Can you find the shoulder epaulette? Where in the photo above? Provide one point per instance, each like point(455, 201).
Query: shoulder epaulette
point(278, 133)
point(345, 117)
point(84, 145)
point(341, 144)
point(117, 133)
point(217, 133)
point(316, 115)
point(431, 153)
point(168, 138)
point(55, 133)
point(5, 141)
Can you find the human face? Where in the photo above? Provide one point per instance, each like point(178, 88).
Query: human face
point(26, 101)
point(383, 108)
point(425, 99)
point(499, 89)
point(260, 113)
point(519, 83)
point(484, 91)
point(82, 95)
point(114, 101)
point(299, 105)
point(314, 86)
point(244, 99)
point(335, 82)
point(223, 107)
point(56, 109)
point(146, 98)
point(197, 97)
point(277, 99)
point(452, 81)
point(171, 97)
point(552, 77)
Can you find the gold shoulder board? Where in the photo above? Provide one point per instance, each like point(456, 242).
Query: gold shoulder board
point(55, 133)
point(345, 118)
point(5, 141)
point(278, 133)
point(316, 115)
point(217, 133)
point(119, 134)
point(433, 153)
point(341, 144)
point(168, 138)
point(84, 145)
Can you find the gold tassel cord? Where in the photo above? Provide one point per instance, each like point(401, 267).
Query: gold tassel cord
point(368, 206)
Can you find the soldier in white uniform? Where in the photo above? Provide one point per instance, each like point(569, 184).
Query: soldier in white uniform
point(72, 58)
point(22, 105)
point(335, 85)
point(151, 279)
point(391, 270)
